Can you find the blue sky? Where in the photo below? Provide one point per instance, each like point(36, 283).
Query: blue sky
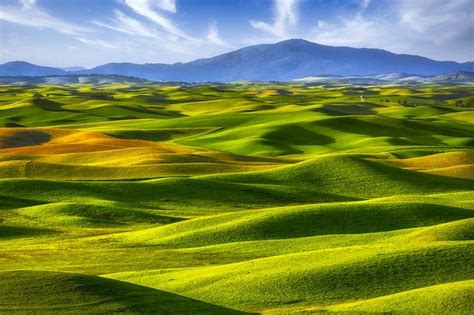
point(92, 32)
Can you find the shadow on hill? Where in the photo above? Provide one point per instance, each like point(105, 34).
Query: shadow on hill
point(24, 138)
point(347, 109)
point(49, 292)
point(311, 220)
point(159, 134)
point(12, 202)
point(350, 175)
point(296, 135)
point(157, 111)
point(7, 231)
point(13, 125)
point(47, 104)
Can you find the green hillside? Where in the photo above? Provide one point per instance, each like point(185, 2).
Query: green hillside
point(49, 292)
point(242, 198)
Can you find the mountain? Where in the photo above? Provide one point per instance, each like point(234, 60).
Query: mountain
point(283, 61)
point(21, 68)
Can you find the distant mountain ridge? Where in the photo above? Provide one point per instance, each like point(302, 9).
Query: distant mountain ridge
point(70, 78)
point(21, 68)
point(459, 77)
point(282, 61)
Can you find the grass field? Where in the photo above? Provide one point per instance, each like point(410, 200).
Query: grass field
point(236, 199)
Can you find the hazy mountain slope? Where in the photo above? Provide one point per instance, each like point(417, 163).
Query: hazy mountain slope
point(21, 68)
point(286, 60)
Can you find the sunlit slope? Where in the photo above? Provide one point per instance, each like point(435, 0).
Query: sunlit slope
point(64, 214)
point(325, 276)
point(327, 178)
point(451, 298)
point(85, 155)
point(47, 292)
point(273, 198)
point(294, 222)
point(351, 175)
point(330, 178)
point(51, 249)
point(264, 120)
point(453, 164)
point(310, 132)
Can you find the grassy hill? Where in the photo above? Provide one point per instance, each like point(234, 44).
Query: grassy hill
point(59, 293)
point(454, 298)
point(240, 198)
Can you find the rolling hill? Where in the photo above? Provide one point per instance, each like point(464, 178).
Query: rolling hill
point(59, 293)
point(269, 198)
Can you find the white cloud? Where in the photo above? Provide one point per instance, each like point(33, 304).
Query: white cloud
point(364, 4)
point(167, 5)
point(149, 9)
point(127, 25)
point(437, 19)
point(285, 17)
point(424, 27)
point(213, 36)
point(27, 3)
point(164, 39)
point(357, 32)
point(29, 14)
point(96, 42)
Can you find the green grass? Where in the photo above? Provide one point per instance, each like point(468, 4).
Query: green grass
point(293, 222)
point(59, 293)
point(452, 298)
point(220, 199)
point(326, 276)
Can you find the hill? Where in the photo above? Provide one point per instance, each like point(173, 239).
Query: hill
point(271, 198)
point(49, 292)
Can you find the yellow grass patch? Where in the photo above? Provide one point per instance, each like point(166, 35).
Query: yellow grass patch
point(87, 155)
point(454, 164)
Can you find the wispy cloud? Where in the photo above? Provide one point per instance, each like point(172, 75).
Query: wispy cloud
point(214, 37)
point(352, 30)
point(96, 42)
point(285, 17)
point(406, 26)
point(147, 21)
point(28, 13)
point(364, 4)
point(167, 5)
point(151, 10)
point(127, 25)
point(438, 19)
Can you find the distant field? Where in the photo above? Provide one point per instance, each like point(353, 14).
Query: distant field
point(235, 199)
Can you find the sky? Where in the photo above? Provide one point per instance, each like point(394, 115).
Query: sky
point(88, 33)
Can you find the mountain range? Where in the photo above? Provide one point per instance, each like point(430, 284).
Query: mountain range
point(282, 61)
